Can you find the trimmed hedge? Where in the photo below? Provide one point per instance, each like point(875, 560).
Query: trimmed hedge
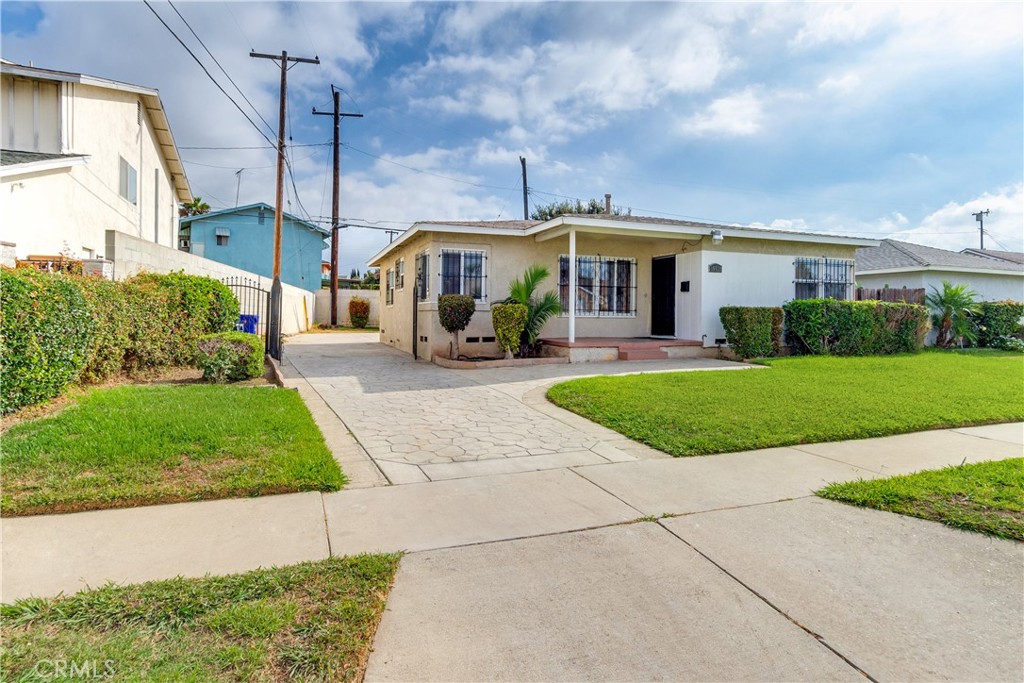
point(509, 321)
point(45, 330)
point(752, 331)
point(455, 311)
point(359, 312)
point(56, 329)
point(997, 319)
point(854, 328)
point(230, 356)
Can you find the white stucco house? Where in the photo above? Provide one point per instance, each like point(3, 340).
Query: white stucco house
point(630, 286)
point(82, 155)
point(903, 264)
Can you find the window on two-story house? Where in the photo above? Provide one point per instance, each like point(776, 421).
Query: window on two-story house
point(127, 181)
point(823, 278)
point(605, 285)
point(463, 271)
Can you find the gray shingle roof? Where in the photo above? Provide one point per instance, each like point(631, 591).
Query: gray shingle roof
point(10, 157)
point(1011, 256)
point(893, 254)
point(503, 225)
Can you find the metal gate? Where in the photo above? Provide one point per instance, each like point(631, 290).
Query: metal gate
point(254, 306)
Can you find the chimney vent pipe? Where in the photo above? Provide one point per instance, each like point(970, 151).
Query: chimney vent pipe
point(608, 203)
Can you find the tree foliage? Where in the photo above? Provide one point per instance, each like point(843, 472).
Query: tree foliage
point(193, 208)
point(568, 207)
point(455, 311)
point(538, 309)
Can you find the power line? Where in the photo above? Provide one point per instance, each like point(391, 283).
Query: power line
point(207, 72)
point(224, 71)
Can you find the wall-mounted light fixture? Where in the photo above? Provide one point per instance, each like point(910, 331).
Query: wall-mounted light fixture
point(716, 237)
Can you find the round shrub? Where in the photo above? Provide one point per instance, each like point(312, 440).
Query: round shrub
point(229, 356)
point(455, 311)
point(509, 321)
point(359, 312)
point(45, 328)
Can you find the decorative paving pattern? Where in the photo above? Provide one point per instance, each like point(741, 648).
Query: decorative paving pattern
point(415, 413)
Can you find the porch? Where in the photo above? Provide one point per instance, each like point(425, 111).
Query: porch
point(596, 349)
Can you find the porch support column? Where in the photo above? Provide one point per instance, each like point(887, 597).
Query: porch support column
point(572, 285)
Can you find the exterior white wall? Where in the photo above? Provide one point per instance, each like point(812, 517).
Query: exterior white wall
point(990, 287)
point(132, 256)
point(688, 304)
point(72, 208)
point(322, 308)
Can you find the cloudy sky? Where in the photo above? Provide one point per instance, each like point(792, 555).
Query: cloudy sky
point(864, 119)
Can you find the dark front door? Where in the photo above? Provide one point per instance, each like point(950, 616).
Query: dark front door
point(663, 296)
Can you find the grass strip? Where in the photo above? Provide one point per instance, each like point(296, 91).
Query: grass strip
point(144, 445)
point(987, 497)
point(311, 621)
point(799, 400)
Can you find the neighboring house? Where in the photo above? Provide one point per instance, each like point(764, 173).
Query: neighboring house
point(243, 237)
point(82, 155)
point(1011, 256)
point(635, 276)
point(903, 264)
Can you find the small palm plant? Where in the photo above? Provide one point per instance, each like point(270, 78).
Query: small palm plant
point(538, 309)
point(951, 313)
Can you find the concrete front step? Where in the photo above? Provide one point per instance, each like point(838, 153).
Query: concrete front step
point(641, 354)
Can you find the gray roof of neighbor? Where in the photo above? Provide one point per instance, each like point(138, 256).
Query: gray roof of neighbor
point(1011, 256)
point(10, 157)
point(893, 254)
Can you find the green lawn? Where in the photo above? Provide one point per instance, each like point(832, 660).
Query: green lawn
point(143, 445)
point(986, 497)
point(802, 400)
point(312, 621)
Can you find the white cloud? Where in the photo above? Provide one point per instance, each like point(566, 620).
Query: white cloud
point(954, 227)
point(735, 115)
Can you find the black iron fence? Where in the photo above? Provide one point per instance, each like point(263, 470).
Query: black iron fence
point(254, 306)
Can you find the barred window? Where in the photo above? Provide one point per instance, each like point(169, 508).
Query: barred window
point(389, 287)
point(423, 276)
point(463, 272)
point(823, 278)
point(605, 285)
point(400, 274)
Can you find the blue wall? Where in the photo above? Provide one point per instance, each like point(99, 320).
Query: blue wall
point(250, 244)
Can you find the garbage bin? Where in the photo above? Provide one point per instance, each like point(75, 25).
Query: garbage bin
point(247, 323)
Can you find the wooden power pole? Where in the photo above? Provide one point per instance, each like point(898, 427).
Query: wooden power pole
point(337, 114)
point(526, 192)
point(274, 328)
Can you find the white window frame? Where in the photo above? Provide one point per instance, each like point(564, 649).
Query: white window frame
point(462, 272)
point(400, 273)
point(389, 287)
point(595, 311)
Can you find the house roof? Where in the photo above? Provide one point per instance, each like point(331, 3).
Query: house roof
point(640, 226)
point(241, 210)
point(150, 98)
point(895, 256)
point(1011, 256)
point(16, 162)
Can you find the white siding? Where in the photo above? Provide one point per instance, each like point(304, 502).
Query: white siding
point(746, 279)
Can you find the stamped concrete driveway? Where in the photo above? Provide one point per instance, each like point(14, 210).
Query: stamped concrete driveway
point(420, 422)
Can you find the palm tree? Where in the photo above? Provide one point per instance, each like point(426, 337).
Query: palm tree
point(193, 208)
point(538, 310)
point(951, 313)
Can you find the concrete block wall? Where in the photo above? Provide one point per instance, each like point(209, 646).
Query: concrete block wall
point(132, 256)
point(322, 308)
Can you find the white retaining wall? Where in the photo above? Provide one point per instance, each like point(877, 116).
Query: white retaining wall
point(132, 256)
point(322, 308)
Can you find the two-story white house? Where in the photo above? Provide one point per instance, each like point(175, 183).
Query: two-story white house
point(82, 155)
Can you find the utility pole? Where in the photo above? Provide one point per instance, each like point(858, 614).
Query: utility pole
point(274, 328)
point(337, 114)
point(981, 228)
point(526, 207)
point(238, 186)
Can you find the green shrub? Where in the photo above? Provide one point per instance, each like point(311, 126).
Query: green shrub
point(45, 327)
point(359, 312)
point(112, 337)
point(509, 321)
point(753, 332)
point(996, 319)
point(229, 356)
point(1005, 343)
point(150, 325)
point(454, 312)
point(854, 328)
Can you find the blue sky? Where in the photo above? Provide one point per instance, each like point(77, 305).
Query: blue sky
point(866, 119)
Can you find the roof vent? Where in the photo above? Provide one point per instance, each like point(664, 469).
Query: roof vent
point(608, 203)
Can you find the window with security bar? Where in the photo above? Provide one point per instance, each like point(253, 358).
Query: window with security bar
point(823, 278)
point(400, 274)
point(389, 286)
point(605, 285)
point(423, 276)
point(463, 272)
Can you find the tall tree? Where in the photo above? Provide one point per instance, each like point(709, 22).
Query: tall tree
point(193, 208)
point(568, 207)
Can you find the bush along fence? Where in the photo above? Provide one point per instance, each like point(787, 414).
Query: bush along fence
point(854, 328)
point(57, 329)
point(753, 332)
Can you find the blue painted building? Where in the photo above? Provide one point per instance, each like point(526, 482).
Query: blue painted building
point(243, 237)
